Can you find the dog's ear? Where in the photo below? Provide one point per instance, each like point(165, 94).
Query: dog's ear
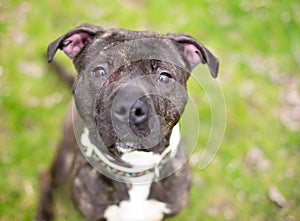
point(195, 52)
point(73, 41)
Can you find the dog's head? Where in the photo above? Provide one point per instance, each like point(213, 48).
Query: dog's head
point(131, 86)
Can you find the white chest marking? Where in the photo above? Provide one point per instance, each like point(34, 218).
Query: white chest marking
point(137, 208)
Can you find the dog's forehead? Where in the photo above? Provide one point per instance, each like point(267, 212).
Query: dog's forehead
point(124, 46)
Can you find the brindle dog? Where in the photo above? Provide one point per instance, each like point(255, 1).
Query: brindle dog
point(121, 151)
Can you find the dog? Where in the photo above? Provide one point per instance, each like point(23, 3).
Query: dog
point(120, 150)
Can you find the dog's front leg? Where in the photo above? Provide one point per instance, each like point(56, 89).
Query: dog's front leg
point(45, 210)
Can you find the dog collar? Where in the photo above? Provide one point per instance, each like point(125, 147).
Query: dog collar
point(92, 152)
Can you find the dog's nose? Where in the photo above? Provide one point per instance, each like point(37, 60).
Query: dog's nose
point(127, 112)
point(138, 112)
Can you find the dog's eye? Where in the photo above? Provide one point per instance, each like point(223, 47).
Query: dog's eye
point(165, 77)
point(99, 71)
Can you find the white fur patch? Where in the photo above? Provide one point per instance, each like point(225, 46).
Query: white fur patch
point(137, 208)
point(174, 140)
point(140, 158)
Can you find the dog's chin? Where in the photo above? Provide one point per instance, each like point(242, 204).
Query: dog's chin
point(125, 147)
point(120, 147)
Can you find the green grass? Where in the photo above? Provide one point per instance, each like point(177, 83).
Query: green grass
point(258, 45)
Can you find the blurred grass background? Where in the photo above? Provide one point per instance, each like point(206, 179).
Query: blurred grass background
point(258, 45)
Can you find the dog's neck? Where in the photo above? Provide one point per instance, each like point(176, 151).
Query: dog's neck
point(141, 163)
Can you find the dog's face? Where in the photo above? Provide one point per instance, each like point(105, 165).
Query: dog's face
point(131, 86)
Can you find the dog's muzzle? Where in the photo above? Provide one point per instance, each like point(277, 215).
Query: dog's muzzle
point(131, 107)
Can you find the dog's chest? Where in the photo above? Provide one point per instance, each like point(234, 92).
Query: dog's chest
point(138, 207)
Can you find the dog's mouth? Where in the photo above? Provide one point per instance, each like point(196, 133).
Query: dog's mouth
point(125, 147)
point(120, 147)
